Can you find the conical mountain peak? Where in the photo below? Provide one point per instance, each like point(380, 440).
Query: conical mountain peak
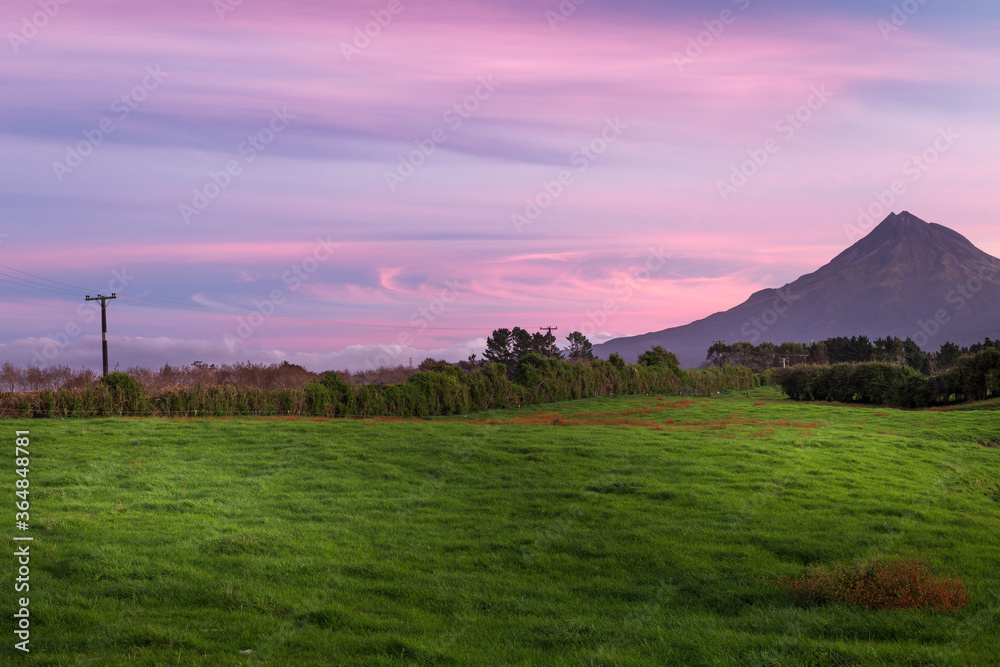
point(907, 278)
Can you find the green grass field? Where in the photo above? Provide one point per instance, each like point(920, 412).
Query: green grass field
point(625, 531)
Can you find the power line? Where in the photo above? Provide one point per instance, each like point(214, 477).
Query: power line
point(20, 283)
point(54, 282)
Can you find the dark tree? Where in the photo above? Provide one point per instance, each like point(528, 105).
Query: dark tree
point(580, 348)
point(790, 354)
point(819, 353)
point(890, 350)
point(719, 354)
point(657, 357)
point(948, 355)
point(913, 354)
point(545, 345)
point(523, 343)
point(500, 348)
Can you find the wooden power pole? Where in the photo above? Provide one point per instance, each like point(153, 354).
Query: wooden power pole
point(104, 324)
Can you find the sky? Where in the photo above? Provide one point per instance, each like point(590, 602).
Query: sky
point(345, 185)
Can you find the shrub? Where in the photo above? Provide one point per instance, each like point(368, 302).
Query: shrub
point(657, 357)
point(340, 392)
point(128, 395)
point(795, 382)
point(318, 398)
point(879, 584)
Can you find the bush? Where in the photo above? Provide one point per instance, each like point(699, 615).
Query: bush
point(657, 357)
point(890, 584)
point(319, 399)
point(128, 395)
point(340, 392)
point(795, 382)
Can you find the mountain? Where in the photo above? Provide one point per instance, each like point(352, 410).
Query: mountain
point(906, 278)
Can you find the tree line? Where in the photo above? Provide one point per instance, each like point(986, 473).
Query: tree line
point(533, 370)
point(509, 346)
point(841, 349)
point(973, 377)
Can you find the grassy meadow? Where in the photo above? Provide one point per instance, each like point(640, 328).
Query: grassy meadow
point(621, 531)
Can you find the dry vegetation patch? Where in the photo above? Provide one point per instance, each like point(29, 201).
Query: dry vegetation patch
point(880, 584)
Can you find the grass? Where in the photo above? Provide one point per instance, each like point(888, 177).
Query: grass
point(624, 531)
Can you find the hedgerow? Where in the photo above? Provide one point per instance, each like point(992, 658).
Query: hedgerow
point(442, 389)
point(973, 378)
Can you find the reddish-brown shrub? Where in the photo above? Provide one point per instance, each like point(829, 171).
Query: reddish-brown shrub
point(880, 584)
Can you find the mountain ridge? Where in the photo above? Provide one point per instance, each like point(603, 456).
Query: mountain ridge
point(907, 278)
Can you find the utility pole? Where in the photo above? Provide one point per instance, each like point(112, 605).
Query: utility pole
point(722, 359)
point(104, 324)
point(555, 349)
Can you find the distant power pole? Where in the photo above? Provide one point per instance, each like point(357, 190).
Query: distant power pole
point(548, 329)
point(104, 324)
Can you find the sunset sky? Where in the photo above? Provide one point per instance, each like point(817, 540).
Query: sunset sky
point(347, 184)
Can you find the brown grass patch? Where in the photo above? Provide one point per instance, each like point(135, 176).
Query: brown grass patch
point(650, 417)
point(627, 419)
point(233, 418)
point(640, 417)
point(735, 420)
point(892, 584)
point(686, 403)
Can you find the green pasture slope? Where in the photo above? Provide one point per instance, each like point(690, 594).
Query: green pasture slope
point(625, 531)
